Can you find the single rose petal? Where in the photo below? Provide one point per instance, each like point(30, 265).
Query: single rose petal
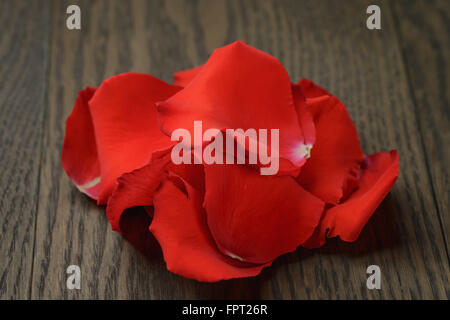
point(311, 90)
point(239, 87)
point(134, 228)
point(135, 189)
point(79, 153)
point(378, 174)
point(126, 125)
point(336, 155)
point(305, 118)
point(191, 173)
point(257, 218)
point(184, 77)
point(179, 225)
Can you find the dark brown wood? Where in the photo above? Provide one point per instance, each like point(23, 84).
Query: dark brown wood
point(23, 68)
point(365, 69)
point(374, 72)
point(424, 37)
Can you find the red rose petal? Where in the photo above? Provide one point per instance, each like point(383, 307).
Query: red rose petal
point(336, 155)
point(126, 126)
point(179, 225)
point(191, 173)
point(257, 218)
point(378, 174)
point(312, 90)
point(79, 153)
point(305, 118)
point(134, 228)
point(183, 78)
point(135, 189)
point(239, 87)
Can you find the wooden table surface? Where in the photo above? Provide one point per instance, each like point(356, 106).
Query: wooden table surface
point(394, 81)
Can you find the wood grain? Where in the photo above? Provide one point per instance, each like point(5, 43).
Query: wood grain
point(365, 69)
point(372, 71)
point(425, 28)
point(23, 68)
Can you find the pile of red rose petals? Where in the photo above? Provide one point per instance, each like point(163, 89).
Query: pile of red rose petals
point(224, 221)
